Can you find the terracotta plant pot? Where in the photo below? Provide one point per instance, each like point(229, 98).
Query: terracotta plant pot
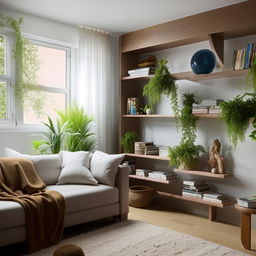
point(140, 196)
point(191, 166)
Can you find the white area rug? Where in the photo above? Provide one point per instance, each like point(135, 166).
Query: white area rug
point(136, 238)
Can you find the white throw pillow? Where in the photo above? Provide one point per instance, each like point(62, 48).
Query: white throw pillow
point(48, 167)
point(104, 167)
point(75, 168)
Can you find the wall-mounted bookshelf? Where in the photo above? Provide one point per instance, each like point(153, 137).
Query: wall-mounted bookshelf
point(204, 173)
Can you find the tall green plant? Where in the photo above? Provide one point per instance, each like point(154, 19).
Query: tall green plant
point(27, 65)
point(187, 152)
point(80, 124)
point(128, 140)
point(162, 84)
point(237, 114)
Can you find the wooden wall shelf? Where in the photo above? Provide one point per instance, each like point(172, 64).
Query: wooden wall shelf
point(194, 77)
point(169, 116)
point(204, 173)
point(149, 157)
point(151, 179)
point(195, 200)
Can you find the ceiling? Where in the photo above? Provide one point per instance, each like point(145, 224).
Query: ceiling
point(114, 16)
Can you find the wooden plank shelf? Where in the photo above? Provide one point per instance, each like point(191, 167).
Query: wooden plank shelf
point(194, 77)
point(169, 116)
point(195, 200)
point(204, 173)
point(149, 157)
point(151, 179)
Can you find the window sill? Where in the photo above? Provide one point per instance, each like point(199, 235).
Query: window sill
point(22, 128)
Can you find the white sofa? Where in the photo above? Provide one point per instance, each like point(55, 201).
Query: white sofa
point(84, 203)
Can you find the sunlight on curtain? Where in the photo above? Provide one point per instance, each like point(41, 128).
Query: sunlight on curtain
point(97, 84)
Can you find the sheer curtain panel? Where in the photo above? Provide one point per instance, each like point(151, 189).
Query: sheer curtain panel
point(97, 84)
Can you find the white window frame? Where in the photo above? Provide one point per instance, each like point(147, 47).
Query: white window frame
point(15, 115)
point(9, 78)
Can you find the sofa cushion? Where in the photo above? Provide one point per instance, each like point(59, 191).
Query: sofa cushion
point(75, 168)
point(48, 167)
point(104, 167)
point(81, 197)
point(77, 198)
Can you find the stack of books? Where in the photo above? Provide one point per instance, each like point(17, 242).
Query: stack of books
point(142, 71)
point(248, 202)
point(131, 164)
point(163, 175)
point(215, 198)
point(194, 188)
point(207, 107)
point(151, 149)
point(244, 58)
point(142, 172)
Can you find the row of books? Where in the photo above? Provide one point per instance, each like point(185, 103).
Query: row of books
point(199, 189)
point(207, 107)
point(161, 174)
point(244, 58)
point(248, 202)
point(142, 71)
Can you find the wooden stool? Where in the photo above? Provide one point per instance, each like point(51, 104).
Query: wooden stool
point(246, 225)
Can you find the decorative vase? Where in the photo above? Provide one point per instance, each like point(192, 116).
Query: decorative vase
point(148, 111)
point(140, 196)
point(203, 62)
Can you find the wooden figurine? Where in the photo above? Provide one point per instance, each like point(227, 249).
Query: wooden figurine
point(215, 160)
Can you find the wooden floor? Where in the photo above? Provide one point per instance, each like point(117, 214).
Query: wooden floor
point(220, 233)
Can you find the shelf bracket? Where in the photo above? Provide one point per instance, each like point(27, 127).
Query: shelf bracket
point(217, 46)
point(212, 213)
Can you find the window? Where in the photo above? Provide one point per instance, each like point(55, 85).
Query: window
point(6, 74)
point(53, 79)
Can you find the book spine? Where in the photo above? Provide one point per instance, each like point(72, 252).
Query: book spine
point(234, 59)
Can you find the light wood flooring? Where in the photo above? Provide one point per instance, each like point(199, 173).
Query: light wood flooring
point(220, 233)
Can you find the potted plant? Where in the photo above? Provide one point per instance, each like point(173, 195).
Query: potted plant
point(187, 153)
point(162, 84)
point(148, 109)
point(128, 140)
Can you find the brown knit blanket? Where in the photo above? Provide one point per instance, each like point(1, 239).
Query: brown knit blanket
point(44, 210)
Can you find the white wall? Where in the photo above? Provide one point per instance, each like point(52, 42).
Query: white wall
point(241, 162)
point(21, 140)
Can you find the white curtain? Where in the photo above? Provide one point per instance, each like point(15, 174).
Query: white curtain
point(97, 84)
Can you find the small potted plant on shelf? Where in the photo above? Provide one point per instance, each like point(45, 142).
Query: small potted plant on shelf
point(148, 109)
point(187, 153)
point(128, 141)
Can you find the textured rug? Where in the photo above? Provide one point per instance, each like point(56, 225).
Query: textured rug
point(136, 238)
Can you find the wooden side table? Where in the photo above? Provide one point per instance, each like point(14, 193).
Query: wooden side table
point(246, 225)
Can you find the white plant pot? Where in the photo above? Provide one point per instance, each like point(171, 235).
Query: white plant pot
point(149, 111)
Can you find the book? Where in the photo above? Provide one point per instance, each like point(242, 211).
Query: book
point(200, 111)
point(242, 59)
point(191, 194)
point(142, 172)
point(194, 182)
point(248, 53)
point(214, 195)
point(199, 188)
point(238, 59)
point(214, 111)
point(142, 71)
point(249, 202)
point(234, 59)
point(215, 200)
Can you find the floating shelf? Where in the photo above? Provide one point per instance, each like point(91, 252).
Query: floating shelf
point(195, 200)
point(151, 179)
point(149, 157)
point(204, 173)
point(194, 77)
point(169, 116)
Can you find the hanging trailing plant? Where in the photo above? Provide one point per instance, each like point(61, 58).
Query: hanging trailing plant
point(162, 84)
point(27, 66)
point(237, 114)
point(253, 134)
point(251, 77)
point(187, 153)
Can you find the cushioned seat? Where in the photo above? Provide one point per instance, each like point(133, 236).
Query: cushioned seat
point(77, 198)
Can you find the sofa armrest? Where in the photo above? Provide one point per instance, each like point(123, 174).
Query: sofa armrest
point(122, 183)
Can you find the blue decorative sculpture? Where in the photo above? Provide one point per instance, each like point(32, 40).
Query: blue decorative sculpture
point(203, 62)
